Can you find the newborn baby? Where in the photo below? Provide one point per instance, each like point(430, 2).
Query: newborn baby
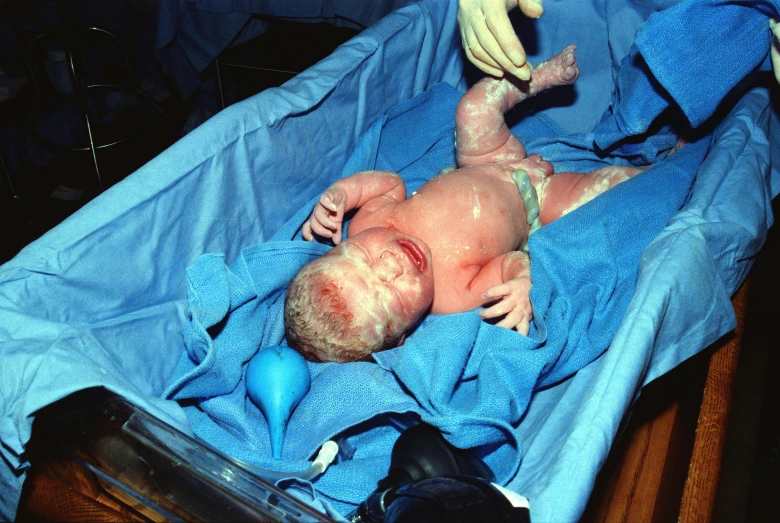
point(452, 246)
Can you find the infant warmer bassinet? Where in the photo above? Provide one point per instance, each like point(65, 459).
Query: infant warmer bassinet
point(163, 288)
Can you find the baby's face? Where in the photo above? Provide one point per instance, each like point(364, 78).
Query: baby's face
point(386, 275)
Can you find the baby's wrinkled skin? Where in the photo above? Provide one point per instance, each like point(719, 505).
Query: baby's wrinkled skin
point(454, 244)
point(387, 278)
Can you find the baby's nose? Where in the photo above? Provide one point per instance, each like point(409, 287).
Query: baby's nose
point(388, 268)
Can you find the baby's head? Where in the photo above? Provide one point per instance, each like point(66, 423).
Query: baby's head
point(361, 297)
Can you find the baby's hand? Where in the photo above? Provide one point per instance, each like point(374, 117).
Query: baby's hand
point(327, 216)
point(514, 304)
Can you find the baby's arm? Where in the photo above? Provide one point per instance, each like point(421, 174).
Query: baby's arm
point(513, 295)
point(368, 189)
point(482, 134)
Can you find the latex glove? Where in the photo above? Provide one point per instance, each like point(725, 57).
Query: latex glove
point(774, 53)
point(488, 38)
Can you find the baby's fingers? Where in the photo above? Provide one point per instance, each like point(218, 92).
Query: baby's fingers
point(329, 205)
point(524, 326)
point(325, 217)
point(336, 236)
point(512, 319)
point(498, 309)
point(518, 319)
point(499, 291)
point(335, 202)
point(322, 229)
point(307, 235)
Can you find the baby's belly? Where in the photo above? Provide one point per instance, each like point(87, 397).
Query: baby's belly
point(473, 215)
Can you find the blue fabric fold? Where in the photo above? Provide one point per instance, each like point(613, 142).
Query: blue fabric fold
point(685, 60)
point(233, 312)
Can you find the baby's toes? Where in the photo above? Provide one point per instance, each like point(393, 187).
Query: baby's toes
point(569, 67)
point(567, 58)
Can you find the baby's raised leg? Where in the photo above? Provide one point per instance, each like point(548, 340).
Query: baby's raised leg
point(482, 134)
point(561, 193)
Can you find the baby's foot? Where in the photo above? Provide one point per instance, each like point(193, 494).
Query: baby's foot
point(561, 69)
point(568, 65)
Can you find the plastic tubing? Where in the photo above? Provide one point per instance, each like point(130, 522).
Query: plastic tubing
point(320, 464)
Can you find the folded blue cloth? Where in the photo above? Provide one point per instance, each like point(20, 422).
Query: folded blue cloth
point(471, 379)
point(688, 58)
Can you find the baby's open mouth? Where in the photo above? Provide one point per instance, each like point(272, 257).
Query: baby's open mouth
point(414, 253)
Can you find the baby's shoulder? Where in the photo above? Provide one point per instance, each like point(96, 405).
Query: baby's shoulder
point(374, 214)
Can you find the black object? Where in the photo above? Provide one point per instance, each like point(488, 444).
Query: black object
point(421, 452)
point(78, 85)
point(430, 480)
point(455, 499)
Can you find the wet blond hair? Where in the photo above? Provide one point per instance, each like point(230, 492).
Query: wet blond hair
point(319, 323)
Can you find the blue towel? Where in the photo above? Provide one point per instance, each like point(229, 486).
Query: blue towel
point(688, 58)
point(471, 379)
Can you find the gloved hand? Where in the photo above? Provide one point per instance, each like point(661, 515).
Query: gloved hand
point(488, 38)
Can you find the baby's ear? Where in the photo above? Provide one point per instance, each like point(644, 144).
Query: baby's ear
point(401, 340)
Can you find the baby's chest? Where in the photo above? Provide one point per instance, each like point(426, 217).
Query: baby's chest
point(471, 227)
point(470, 203)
